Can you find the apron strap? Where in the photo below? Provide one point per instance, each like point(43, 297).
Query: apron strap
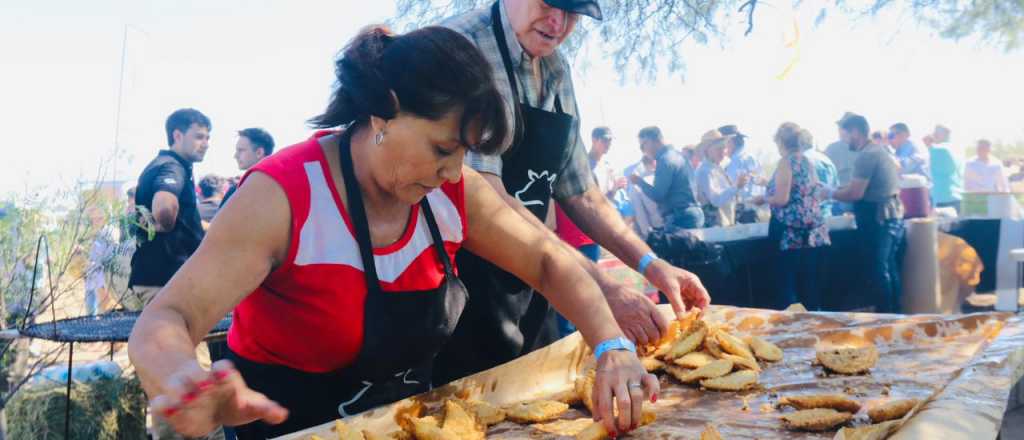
point(518, 128)
point(358, 212)
point(435, 234)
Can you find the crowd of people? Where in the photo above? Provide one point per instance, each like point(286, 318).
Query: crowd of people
point(718, 182)
point(407, 243)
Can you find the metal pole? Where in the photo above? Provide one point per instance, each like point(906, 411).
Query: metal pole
point(67, 406)
point(120, 93)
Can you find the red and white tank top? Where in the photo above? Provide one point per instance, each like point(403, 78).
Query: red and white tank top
point(308, 313)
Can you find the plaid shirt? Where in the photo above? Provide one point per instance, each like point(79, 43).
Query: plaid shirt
point(576, 177)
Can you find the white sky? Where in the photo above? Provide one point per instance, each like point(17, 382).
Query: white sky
point(269, 64)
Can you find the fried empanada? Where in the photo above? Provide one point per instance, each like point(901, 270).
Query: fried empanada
point(879, 431)
point(689, 341)
point(710, 433)
point(837, 402)
point(596, 430)
point(372, 436)
point(568, 397)
point(737, 381)
point(694, 359)
point(661, 347)
point(717, 368)
point(732, 344)
point(427, 429)
point(652, 365)
point(743, 362)
point(764, 350)
point(585, 389)
point(564, 427)
point(536, 411)
point(486, 413)
point(712, 346)
point(459, 422)
point(892, 410)
point(849, 360)
point(346, 433)
point(821, 419)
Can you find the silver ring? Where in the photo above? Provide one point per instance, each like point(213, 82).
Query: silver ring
point(635, 385)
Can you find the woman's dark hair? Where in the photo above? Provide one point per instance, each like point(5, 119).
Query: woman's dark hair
point(432, 71)
point(788, 137)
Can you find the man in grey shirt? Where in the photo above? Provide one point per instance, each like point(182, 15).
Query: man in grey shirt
point(874, 192)
point(545, 159)
point(843, 157)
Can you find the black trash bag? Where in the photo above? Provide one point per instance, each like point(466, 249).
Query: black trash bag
point(683, 249)
point(711, 262)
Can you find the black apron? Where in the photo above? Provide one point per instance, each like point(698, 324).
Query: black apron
point(403, 331)
point(504, 319)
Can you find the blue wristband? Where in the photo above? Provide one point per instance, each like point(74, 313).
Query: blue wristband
point(619, 343)
point(645, 261)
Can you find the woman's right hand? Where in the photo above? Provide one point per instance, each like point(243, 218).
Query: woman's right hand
point(621, 387)
point(196, 401)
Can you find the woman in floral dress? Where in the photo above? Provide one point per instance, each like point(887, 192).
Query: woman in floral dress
point(795, 196)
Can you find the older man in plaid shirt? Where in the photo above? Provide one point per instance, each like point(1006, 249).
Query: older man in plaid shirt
point(545, 159)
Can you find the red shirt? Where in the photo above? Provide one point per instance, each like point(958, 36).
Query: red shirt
point(568, 231)
point(308, 313)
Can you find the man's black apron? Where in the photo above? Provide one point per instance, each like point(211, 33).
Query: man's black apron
point(403, 331)
point(504, 318)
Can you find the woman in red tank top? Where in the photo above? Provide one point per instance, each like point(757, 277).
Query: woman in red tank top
point(336, 255)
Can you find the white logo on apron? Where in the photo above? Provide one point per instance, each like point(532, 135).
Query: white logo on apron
point(534, 178)
point(354, 399)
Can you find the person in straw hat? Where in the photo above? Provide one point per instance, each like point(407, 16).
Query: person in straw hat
point(716, 192)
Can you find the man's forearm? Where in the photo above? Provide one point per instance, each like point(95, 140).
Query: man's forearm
point(596, 217)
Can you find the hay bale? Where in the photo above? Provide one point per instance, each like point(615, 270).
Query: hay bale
point(108, 409)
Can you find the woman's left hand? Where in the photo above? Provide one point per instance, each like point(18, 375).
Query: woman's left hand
point(621, 382)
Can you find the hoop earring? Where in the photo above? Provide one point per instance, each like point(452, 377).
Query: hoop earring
point(378, 138)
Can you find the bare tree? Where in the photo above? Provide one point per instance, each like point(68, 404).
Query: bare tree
point(644, 37)
point(44, 246)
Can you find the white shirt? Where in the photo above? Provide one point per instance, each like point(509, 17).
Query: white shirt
point(985, 176)
point(645, 212)
point(605, 175)
point(715, 188)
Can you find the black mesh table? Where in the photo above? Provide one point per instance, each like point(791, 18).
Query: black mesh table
point(115, 326)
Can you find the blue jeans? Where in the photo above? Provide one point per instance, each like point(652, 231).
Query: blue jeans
point(879, 246)
point(688, 218)
point(592, 252)
point(798, 278)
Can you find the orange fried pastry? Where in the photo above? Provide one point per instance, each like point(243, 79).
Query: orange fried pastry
point(837, 402)
point(892, 410)
point(821, 419)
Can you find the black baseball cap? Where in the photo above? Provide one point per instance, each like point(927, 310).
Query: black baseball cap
point(589, 8)
point(730, 130)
